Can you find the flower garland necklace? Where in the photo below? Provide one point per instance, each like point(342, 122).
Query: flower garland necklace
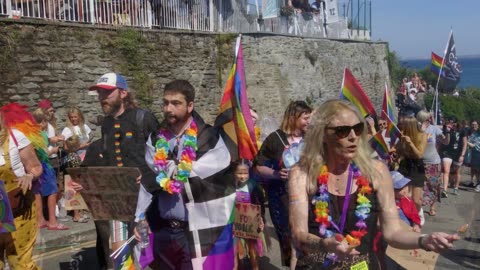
point(362, 210)
point(184, 167)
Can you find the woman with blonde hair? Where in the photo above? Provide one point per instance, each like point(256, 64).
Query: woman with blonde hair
point(76, 126)
point(270, 166)
point(410, 150)
point(337, 193)
point(20, 170)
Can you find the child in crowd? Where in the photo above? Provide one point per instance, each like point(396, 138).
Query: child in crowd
point(248, 192)
point(48, 184)
point(405, 205)
point(73, 160)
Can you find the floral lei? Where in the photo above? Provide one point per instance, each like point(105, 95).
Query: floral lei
point(362, 209)
point(188, 155)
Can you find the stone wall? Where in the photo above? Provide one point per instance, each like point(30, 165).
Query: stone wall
point(59, 62)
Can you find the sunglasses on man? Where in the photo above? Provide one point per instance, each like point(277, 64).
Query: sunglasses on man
point(343, 131)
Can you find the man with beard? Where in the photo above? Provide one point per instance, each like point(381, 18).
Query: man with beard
point(191, 160)
point(125, 130)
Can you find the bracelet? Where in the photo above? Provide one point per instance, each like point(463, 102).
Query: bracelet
point(420, 242)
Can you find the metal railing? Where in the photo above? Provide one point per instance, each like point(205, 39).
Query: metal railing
point(197, 15)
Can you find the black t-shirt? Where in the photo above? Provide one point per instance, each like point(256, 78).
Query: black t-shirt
point(454, 147)
point(123, 140)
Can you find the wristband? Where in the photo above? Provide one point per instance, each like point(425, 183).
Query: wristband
point(420, 242)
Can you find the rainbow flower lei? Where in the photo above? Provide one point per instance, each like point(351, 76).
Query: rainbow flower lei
point(184, 167)
point(362, 210)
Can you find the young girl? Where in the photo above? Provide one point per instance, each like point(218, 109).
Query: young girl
point(73, 160)
point(248, 192)
point(48, 187)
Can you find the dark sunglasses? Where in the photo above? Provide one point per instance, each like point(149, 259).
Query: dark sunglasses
point(343, 131)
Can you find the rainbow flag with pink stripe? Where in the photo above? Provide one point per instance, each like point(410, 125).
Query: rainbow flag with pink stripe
point(436, 65)
point(387, 105)
point(240, 127)
point(353, 92)
point(378, 144)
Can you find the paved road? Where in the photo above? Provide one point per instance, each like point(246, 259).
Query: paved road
point(453, 212)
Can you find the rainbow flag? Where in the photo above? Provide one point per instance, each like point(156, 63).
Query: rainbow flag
point(393, 131)
point(235, 109)
point(387, 106)
point(378, 144)
point(353, 92)
point(436, 65)
point(123, 259)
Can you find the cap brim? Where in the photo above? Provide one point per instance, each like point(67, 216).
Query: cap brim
point(102, 87)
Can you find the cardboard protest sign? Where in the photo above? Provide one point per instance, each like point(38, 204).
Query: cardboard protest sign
point(110, 192)
point(412, 259)
point(247, 219)
point(73, 199)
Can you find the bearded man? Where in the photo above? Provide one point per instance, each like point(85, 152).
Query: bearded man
point(125, 130)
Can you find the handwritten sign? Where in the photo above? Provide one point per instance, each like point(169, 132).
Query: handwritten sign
point(247, 219)
point(412, 259)
point(73, 199)
point(110, 192)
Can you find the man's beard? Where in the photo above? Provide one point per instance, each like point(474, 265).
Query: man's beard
point(174, 119)
point(112, 108)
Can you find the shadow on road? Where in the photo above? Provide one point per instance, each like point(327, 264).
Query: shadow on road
point(464, 257)
point(84, 259)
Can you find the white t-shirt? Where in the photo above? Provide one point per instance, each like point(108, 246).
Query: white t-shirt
point(16, 162)
point(67, 132)
point(51, 134)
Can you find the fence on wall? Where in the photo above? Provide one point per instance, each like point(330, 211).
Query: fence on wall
point(232, 16)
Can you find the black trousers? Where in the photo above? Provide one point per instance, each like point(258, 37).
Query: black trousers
point(171, 249)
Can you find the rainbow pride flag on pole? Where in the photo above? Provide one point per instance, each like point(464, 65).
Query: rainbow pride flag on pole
point(240, 127)
point(437, 63)
point(393, 131)
point(353, 92)
point(378, 144)
point(387, 106)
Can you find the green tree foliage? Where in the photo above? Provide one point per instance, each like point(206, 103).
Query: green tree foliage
point(397, 71)
point(464, 107)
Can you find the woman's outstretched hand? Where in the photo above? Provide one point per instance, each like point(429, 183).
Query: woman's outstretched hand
point(341, 249)
point(440, 241)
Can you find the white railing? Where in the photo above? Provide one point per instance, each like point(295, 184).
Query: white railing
point(235, 16)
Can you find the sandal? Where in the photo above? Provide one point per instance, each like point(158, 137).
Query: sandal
point(44, 225)
point(59, 227)
point(82, 219)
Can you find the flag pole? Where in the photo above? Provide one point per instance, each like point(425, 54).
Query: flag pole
point(435, 100)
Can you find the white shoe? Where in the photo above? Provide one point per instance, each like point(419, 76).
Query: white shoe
point(422, 217)
point(477, 189)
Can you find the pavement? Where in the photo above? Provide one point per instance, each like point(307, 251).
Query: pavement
point(452, 213)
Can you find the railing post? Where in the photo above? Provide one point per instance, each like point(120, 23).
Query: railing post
point(9, 8)
point(212, 19)
point(92, 11)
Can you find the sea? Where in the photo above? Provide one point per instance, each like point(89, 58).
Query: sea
point(470, 76)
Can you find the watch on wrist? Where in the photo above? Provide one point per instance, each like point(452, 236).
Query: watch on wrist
point(420, 242)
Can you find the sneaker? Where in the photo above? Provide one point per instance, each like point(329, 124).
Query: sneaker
point(471, 184)
point(455, 191)
point(477, 189)
point(445, 195)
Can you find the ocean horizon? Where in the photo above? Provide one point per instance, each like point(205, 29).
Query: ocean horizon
point(470, 64)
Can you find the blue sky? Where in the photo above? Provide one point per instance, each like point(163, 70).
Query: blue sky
point(414, 28)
